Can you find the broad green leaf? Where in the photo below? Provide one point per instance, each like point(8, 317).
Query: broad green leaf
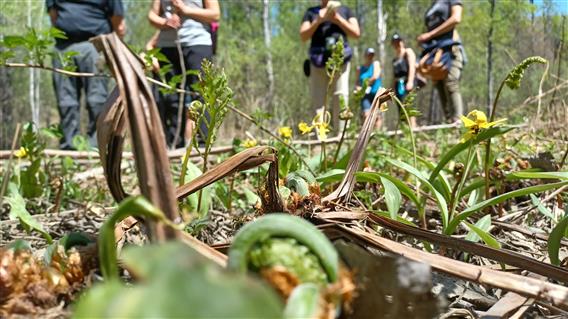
point(499, 199)
point(482, 224)
point(192, 173)
point(541, 208)
point(441, 182)
point(252, 197)
point(460, 147)
point(561, 230)
point(526, 174)
point(18, 211)
point(487, 238)
point(440, 200)
point(392, 197)
point(178, 282)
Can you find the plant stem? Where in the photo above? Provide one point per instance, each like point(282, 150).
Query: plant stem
point(6, 177)
point(414, 156)
point(181, 95)
point(457, 191)
point(488, 143)
point(340, 141)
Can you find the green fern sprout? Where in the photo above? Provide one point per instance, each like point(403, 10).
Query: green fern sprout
point(514, 77)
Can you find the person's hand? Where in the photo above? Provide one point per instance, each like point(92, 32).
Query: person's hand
point(173, 22)
point(409, 86)
point(372, 80)
point(423, 37)
point(180, 6)
point(335, 17)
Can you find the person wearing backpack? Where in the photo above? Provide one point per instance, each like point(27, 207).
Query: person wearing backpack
point(82, 20)
point(443, 57)
point(404, 72)
point(185, 23)
point(324, 25)
point(369, 76)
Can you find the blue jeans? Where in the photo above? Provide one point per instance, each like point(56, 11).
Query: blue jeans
point(68, 93)
point(367, 102)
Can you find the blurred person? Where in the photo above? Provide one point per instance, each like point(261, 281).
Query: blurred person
point(324, 25)
point(187, 23)
point(81, 20)
point(441, 20)
point(370, 73)
point(404, 72)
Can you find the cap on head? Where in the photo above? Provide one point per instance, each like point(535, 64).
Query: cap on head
point(370, 51)
point(396, 37)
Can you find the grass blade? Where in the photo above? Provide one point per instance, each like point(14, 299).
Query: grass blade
point(499, 199)
point(440, 200)
point(554, 239)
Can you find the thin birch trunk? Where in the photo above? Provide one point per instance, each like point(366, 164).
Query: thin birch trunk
point(267, 43)
point(381, 31)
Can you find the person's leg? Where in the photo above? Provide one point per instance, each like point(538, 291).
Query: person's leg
point(452, 84)
point(443, 95)
point(67, 95)
point(194, 56)
point(96, 88)
point(341, 90)
point(318, 87)
point(170, 102)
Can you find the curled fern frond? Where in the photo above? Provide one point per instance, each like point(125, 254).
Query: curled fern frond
point(514, 77)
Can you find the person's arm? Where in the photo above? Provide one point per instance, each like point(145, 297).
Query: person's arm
point(118, 25)
point(52, 15)
point(376, 72)
point(349, 26)
point(357, 79)
point(411, 59)
point(446, 26)
point(159, 22)
point(209, 13)
point(307, 29)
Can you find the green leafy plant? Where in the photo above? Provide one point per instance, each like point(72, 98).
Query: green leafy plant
point(18, 211)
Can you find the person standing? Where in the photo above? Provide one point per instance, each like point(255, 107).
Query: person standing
point(81, 20)
point(183, 22)
point(369, 73)
point(324, 25)
point(404, 71)
point(441, 20)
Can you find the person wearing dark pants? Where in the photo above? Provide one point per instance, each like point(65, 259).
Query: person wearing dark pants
point(184, 26)
point(81, 20)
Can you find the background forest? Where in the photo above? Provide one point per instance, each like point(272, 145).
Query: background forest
point(260, 49)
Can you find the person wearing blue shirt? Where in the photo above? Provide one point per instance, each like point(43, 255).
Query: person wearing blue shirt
point(82, 20)
point(369, 76)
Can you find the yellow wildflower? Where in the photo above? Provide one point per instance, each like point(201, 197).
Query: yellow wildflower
point(21, 153)
point(322, 129)
point(475, 122)
point(285, 132)
point(305, 128)
point(248, 143)
point(321, 124)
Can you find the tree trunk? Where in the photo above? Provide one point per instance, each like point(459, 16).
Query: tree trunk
point(381, 31)
point(490, 58)
point(267, 43)
point(33, 80)
point(6, 107)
